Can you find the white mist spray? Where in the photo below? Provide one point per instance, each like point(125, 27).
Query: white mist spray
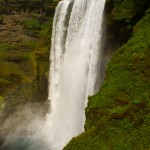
point(75, 67)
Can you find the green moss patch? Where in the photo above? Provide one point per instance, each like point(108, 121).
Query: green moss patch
point(31, 24)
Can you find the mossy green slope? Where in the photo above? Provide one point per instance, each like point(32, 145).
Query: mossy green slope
point(24, 54)
point(25, 36)
point(118, 116)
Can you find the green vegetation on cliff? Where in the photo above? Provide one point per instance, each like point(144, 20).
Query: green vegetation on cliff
point(25, 33)
point(118, 116)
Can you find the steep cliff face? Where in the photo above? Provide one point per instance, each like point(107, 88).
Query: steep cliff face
point(11, 6)
point(121, 17)
point(118, 115)
point(25, 33)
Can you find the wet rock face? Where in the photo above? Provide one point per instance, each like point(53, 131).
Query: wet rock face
point(16, 48)
point(25, 33)
point(11, 29)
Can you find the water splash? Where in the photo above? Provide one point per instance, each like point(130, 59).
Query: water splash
point(75, 67)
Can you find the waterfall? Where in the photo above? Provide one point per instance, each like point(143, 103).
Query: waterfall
point(75, 60)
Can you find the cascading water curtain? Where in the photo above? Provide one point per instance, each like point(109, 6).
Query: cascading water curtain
point(74, 67)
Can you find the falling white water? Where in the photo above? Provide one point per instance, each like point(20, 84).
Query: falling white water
point(75, 67)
